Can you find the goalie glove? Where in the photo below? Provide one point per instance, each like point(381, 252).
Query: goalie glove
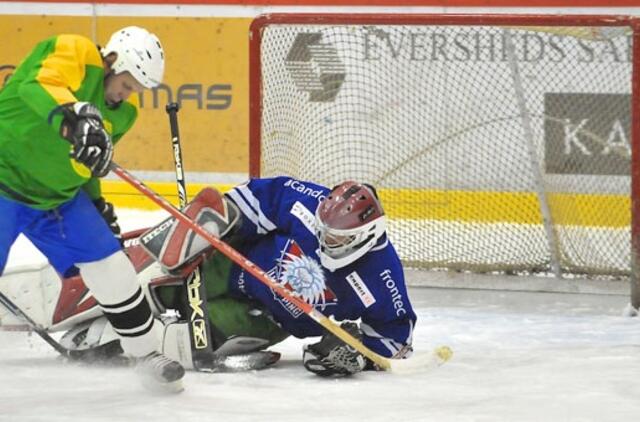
point(331, 357)
point(82, 126)
point(106, 211)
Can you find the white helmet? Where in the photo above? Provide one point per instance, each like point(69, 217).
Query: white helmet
point(139, 53)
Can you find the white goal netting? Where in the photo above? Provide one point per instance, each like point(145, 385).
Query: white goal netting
point(494, 148)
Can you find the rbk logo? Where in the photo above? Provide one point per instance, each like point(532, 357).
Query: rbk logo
point(199, 333)
point(198, 323)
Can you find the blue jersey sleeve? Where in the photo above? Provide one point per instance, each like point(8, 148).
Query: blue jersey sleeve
point(391, 339)
point(266, 203)
point(388, 322)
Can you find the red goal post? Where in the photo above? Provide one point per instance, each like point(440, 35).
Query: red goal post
point(503, 143)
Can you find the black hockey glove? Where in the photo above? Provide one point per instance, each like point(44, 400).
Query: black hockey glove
point(82, 126)
point(106, 211)
point(331, 357)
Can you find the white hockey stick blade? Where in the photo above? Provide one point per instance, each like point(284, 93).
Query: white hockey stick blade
point(421, 362)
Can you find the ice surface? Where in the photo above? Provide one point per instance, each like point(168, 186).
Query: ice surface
point(517, 357)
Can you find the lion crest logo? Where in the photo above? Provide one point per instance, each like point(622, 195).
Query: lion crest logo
point(303, 276)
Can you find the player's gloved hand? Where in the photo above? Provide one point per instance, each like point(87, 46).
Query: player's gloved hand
point(82, 126)
point(331, 357)
point(106, 211)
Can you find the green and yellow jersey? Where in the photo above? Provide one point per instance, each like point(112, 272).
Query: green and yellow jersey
point(35, 167)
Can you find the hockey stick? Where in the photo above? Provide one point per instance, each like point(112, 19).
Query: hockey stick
point(172, 111)
point(439, 355)
point(110, 355)
point(13, 308)
point(199, 324)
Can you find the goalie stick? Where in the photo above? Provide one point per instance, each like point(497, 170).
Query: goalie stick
point(198, 317)
point(437, 356)
point(172, 111)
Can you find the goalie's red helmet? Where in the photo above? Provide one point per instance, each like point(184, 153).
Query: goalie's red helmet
point(349, 222)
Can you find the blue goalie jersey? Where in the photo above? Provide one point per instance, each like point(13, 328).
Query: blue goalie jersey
point(279, 236)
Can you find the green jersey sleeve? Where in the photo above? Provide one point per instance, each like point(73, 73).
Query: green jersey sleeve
point(34, 159)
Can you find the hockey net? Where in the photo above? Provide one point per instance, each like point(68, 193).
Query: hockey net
point(497, 143)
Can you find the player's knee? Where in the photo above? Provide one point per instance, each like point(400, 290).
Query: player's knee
point(112, 279)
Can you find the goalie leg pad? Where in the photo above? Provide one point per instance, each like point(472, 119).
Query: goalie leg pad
point(94, 341)
point(238, 353)
point(176, 343)
point(173, 243)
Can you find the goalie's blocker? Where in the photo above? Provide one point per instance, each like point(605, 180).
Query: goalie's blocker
point(173, 244)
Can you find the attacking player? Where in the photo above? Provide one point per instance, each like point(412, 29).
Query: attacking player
point(61, 112)
point(328, 247)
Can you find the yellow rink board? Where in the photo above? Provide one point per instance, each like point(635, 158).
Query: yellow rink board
point(123, 195)
point(206, 72)
point(507, 207)
point(457, 206)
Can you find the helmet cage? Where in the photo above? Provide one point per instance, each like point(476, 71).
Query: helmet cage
point(339, 248)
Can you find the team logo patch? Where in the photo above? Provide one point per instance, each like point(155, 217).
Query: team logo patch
point(304, 277)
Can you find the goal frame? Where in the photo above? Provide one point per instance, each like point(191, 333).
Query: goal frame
point(255, 80)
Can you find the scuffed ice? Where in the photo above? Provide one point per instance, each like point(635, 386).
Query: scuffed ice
point(517, 357)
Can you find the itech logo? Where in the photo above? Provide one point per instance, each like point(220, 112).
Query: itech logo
point(158, 230)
